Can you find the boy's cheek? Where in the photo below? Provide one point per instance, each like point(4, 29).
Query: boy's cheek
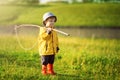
point(47, 24)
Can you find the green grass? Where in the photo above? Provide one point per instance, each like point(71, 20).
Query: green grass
point(89, 14)
point(79, 58)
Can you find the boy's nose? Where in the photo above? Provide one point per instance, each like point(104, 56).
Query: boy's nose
point(52, 23)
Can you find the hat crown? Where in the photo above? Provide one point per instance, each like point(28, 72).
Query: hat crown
point(47, 15)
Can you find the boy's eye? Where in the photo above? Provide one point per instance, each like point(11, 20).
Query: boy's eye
point(51, 21)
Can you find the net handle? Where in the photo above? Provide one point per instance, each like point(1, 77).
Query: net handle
point(64, 33)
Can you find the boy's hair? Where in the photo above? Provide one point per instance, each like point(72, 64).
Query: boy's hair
point(48, 15)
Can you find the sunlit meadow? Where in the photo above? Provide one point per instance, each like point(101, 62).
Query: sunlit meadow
point(78, 59)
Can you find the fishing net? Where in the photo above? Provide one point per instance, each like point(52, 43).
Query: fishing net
point(27, 35)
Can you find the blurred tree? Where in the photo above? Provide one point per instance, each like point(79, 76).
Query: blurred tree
point(32, 1)
point(69, 1)
point(24, 1)
point(101, 1)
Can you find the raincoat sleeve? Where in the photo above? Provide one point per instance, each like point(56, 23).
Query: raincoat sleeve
point(57, 43)
point(43, 34)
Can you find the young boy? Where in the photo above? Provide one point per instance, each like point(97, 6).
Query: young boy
point(48, 43)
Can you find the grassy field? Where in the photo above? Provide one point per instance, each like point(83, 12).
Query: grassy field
point(78, 59)
point(97, 15)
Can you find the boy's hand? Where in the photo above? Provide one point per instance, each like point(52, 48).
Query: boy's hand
point(57, 49)
point(49, 30)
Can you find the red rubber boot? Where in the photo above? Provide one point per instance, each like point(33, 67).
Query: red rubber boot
point(50, 69)
point(44, 69)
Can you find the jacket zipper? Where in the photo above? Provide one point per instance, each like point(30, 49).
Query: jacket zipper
point(46, 46)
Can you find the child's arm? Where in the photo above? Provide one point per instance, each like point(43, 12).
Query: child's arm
point(57, 43)
point(44, 33)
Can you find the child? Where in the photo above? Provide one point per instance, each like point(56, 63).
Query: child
point(48, 43)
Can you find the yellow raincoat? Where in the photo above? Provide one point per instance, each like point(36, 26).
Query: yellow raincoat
point(48, 43)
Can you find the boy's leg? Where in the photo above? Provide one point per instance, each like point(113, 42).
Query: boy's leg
point(51, 59)
point(50, 65)
point(44, 62)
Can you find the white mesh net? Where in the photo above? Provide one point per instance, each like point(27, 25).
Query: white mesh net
point(27, 36)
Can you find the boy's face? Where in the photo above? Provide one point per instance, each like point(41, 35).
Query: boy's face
point(50, 22)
